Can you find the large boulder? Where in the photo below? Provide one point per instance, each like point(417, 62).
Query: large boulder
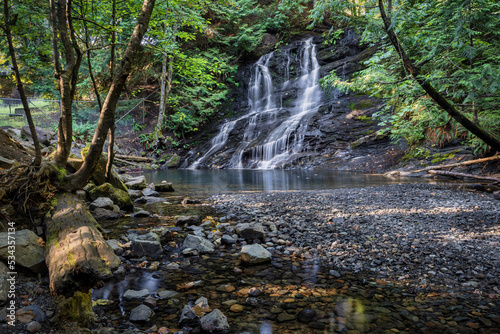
point(136, 183)
point(118, 196)
point(251, 231)
point(29, 252)
point(44, 136)
point(99, 174)
point(164, 187)
point(202, 245)
point(145, 244)
point(215, 322)
point(255, 254)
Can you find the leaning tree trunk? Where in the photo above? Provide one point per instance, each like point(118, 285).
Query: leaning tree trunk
point(107, 116)
point(76, 253)
point(20, 88)
point(438, 98)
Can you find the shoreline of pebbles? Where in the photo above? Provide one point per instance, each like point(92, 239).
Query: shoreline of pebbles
point(420, 233)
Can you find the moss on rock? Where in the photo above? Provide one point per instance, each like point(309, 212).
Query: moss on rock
point(118, 196)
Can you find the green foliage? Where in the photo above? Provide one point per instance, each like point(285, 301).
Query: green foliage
point(454, 42)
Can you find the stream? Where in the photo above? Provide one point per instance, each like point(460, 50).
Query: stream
point(292, 294)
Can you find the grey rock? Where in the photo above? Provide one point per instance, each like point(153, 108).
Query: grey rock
point(148, 192)
point(44, 136)
point(164, 187)
point(134, 194)
point(140, 213)
point(215, 322)
point(198, 243)
point(251, 231)
point(141, 313)
point(201, 302)
point(148, 200)
point(81, 194)
point(255, 254)
point(187, 220)
point(145, 244)
point(103, 203)
point(29, 253)
point(37, 311)
point(135, 294)
point(227, 240)
point(105, 214)
point(306, 316)
point(167, 294)
point(33, 327)
point(189, 317)
point(136, 183)
point(116, 247)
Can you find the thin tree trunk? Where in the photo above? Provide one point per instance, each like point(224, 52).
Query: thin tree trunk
point(111, 140)
point(440, 100)
point(107, 116)
point(161, 114)
point(20, 87)
point(62, 23)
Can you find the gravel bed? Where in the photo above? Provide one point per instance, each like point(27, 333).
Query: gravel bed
point(419, 235)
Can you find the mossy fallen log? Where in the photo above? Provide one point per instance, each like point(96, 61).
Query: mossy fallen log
point(76, 253)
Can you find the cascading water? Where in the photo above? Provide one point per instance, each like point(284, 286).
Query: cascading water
point(273, 133)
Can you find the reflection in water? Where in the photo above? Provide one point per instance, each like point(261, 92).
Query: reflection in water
point(215, 181)
point(266, 328)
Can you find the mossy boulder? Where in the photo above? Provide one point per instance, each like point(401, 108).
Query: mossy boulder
point(118, 196)
point(173, 162)
point(99, 174)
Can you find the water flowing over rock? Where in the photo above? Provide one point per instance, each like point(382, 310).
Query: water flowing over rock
point(281, 118)
point(274, 129)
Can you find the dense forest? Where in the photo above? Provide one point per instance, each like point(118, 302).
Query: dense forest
point(435, 65)
point(289, 143)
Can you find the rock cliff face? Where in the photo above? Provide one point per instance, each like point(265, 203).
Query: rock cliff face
point(282, 118)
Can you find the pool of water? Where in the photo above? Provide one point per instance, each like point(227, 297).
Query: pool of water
point(217, 181)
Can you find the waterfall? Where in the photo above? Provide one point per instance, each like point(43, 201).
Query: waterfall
point(272, 133)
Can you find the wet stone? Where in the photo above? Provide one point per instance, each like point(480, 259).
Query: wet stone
point(141, 313)
point(167, 294)
point(33, 327)
point(215, 322)
point(130, 295)
point(306, 316)
point(189, 317)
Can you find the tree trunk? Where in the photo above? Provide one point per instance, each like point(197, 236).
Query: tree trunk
point(20, 87)
point(438, 98)
point(62, 26)
point(107, 116)
point(76, 254)
point(161, 113)
point(464, 175)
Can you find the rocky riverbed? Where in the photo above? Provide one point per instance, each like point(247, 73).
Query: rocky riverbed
point(407, 258)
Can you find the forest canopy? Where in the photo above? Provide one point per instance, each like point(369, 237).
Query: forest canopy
point(191, 51)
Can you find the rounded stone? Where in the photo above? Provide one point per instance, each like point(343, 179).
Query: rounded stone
point(33, 327)
point(306, 316)
point(237, 308)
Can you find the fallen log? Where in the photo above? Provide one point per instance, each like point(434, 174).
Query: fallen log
point(469, 162)
point(464, 175)
point(126, 162)
point(134, 158)
point(76, 253)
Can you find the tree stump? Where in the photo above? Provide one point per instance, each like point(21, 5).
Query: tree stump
point(76, 253)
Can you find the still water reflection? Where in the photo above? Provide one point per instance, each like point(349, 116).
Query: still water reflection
point(214, 181)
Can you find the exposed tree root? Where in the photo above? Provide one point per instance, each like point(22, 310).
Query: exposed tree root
point(30, 187)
